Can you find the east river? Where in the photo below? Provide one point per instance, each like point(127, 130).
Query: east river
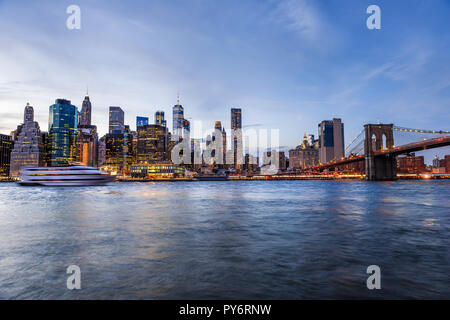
point(226, 240)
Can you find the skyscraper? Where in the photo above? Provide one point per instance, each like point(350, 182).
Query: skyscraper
point(116, 120)
point(236, 132)
point(331, 140)
point(87, 139)
point(86, 110)
point(62, 133)
point(178, 119)
point(159, 118)
point(28, 145)
point(141, 121)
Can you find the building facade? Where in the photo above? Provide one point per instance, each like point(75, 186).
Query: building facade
point(87, 145)
point(86, 111)
point(236, 133)
point(159, 118)
point(411, 164)
point(303, 156)
point(116, 120)
point(62, 133)
point(141, 121)
point(331, 140)
point(28, 150)
point(152, 144)
point(178, 119)
point(6, 146)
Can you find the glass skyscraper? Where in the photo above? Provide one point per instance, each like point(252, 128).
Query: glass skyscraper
point(159, 118)
point(141, 121)
point(178, 119)
point(116, 120)
point(62, 131)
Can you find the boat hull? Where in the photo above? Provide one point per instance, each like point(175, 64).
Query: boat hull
point(75, 176)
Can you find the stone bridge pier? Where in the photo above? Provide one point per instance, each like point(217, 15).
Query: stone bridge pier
point(379, 167)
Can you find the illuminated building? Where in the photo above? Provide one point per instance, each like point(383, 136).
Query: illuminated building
point(141, 121)
point(178, 119)
point(159, 118)
point(157, 171)
point(62, 133)
point(28, 148)
point(86, 110)
point(152, 144)
point(331, 140)
point(6, 146)
point(119, 151)
point(87, 144)
point(411, 164)
point(116, 120)
point(303, 156)
point(236, 132)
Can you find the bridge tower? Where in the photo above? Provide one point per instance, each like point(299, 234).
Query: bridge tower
point(384, 166)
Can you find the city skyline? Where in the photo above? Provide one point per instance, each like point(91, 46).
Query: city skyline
point(275, 59)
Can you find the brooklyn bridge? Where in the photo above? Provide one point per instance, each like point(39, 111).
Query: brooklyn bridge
point(374, 152)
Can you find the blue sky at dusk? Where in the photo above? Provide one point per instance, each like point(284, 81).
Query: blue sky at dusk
point(288, 64)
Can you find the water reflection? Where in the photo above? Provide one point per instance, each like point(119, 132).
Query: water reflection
point(275, 239)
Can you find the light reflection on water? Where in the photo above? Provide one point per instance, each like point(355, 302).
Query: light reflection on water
point(261, 239)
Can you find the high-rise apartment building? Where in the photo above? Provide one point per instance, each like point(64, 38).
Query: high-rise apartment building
point(331, 140)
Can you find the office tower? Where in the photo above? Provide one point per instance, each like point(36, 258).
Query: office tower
point(178, 119)
point(28, 148)
point(331, 140)
point(141, 121)
point(6, 146)
point(62, 133)
point(116, 120)
point(304, 156)
point(236, 132)
point(152, 144)
point(86, 110)
point(159, 118)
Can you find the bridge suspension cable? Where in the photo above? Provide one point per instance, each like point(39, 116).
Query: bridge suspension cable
point(410, 130)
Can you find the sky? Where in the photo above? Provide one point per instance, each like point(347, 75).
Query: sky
point(288, 64)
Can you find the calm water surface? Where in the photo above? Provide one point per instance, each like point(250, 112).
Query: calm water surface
point(233, 240)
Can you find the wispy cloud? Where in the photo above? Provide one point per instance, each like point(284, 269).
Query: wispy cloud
point(300, 16)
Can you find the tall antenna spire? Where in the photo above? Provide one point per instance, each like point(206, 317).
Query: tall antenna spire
point(87, 91)
point(178, 97)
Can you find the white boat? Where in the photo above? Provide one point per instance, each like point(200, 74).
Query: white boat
point(64, 176)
